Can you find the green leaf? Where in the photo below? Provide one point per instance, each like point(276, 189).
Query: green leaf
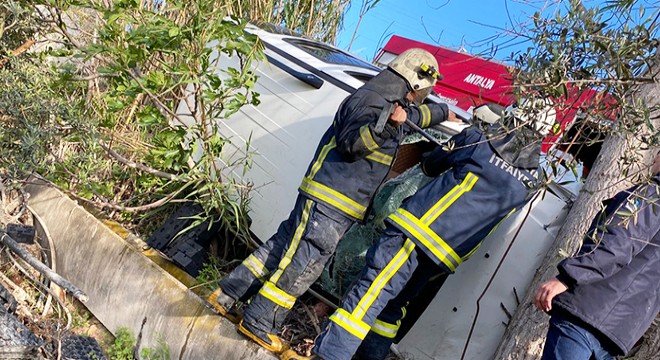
point(624, 213)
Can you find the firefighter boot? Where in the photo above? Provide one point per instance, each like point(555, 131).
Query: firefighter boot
point(270, 342)
point(293, 355)
point(224, 305)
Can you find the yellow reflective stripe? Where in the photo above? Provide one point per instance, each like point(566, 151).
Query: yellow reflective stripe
point(426, 116)
point(428, 237)
point(403, 312)
point(333, 197)
point(286, 260)
point(277, 295)
point(324, 152)
point(420, 229)
point(386, 329)
point(367, 139)
point(450, 198)
point(256, 267)
point(383, 278)
point(348, 322)
point(380, 157)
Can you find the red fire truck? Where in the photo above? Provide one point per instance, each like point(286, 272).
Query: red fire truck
point(470, 81)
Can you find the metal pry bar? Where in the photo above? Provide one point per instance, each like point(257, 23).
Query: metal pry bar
point(423, 133)
point(383, 117)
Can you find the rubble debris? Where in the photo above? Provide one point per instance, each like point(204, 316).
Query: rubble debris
point(41, 267)
point(27, 331)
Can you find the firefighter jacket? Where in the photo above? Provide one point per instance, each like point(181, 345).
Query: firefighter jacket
point(613, 282)
point(474, 190)
point(352, 158)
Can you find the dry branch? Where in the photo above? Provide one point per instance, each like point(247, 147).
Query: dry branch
point(108, 205)
point(42, 268)
point(19, 50)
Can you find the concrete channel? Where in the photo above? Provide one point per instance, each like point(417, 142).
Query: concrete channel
point(125, 286)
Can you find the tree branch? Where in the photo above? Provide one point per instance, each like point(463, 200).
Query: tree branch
point(159, 104)
point(92, 77)
point(109, 205)
point(19, 50)
point(138, 166)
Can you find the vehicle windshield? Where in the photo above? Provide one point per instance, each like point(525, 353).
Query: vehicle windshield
point(329, 54)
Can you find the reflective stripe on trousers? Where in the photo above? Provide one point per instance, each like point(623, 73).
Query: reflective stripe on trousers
point(390, 264)
point(312, 239)
point(270, 290)
point(247, 278)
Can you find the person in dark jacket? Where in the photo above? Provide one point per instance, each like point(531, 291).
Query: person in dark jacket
point(480, 179)
point(352, 159)
point(605, 298)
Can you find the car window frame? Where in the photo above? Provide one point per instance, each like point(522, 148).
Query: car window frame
point(356, 62)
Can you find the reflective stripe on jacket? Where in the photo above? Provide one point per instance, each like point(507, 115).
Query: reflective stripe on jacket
point(450, 216)
point(352, 160)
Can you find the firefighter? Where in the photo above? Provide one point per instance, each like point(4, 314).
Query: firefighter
point(350, 163)
point(480, 179)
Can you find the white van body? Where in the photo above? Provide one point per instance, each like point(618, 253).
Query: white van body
point(465, 320)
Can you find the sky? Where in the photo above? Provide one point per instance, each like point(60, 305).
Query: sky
point(457, 24)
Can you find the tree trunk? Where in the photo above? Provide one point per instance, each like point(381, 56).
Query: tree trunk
point(525, 335)
point(650, 347)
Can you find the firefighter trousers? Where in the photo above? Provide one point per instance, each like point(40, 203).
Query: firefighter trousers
point(371, 311)
point(286, 265)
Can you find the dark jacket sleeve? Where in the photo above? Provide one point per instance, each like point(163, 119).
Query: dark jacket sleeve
point(443, 157)
point(356, 132)
point(427, 115)
point(615, 241)
point(356, 128)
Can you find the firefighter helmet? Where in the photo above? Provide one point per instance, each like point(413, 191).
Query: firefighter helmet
point(539, 115)
point(419, 67)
